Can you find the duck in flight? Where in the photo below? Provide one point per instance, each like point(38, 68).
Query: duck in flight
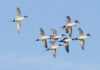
point(65, 41)
point(55, 36)
point(53, 47)
point(81, 37)
point(18, 19)
point(69, 25)
point(43, 37)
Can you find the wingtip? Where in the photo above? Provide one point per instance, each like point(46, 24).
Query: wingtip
point(70, 35)
point(18, 31)
point(82, 48)
point(54, 56)
point(67, 16)
point(79, 28)
point(46, 47)
point(41, 28)
point(18, 8)
point(67, 49)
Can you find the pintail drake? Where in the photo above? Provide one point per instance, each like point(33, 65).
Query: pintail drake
point(43, 37)
point(55, 36)
point(81, 37)
point(65, 41)
point(69, 25)
point(18, 19)
point(53, 47)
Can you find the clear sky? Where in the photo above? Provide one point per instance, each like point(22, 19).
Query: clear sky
point(20, 51)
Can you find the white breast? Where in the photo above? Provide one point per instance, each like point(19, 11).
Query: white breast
point(67, 40)
point(54, 47)
point(44, 37)
point(19, 18)
point(71, 24)
point(82, 37)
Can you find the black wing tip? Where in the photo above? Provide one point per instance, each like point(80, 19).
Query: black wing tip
point(67, 49)
point(79, 28)
point(41, 28)
point(18, 8)
point(82, 48)
point(54, 56)
point(67, 16)
point(70, 35)
point(46, 47)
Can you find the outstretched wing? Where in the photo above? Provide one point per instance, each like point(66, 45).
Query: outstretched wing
point(68, 19)
point(54, 52)
point(18, 26)
point(52, 43)
point(67, 47)
point(54, 31)
point(45, 43)
point(18, 12)
point(82, 44)
point(80, 31)
point(42, 32)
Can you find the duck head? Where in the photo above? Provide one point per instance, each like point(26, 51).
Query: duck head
point(74, 38)
point(13, 20)
point(25, 16)
point(76, 21)
point(60, 44)
point(37, 40)
point(63, 35)
point(88, 34)
point(63, 27)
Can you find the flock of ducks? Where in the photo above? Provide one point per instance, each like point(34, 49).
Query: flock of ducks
point(68, 29)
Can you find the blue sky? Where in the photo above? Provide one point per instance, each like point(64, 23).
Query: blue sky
point(22, 52)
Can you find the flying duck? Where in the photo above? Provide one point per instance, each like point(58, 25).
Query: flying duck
point(81, 37)
point(43, 37)
point(65, 41)
point(53, 47)
point(55, 36)
point(18, 19)
point(69, 25)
